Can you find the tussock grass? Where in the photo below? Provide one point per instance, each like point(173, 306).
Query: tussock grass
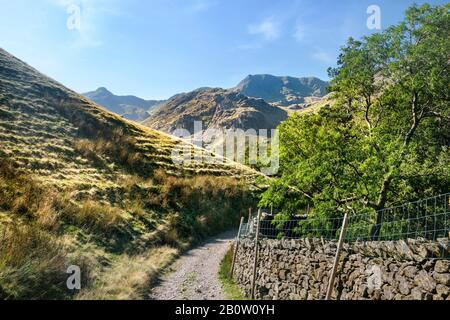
point(208, 204)
point(32, 263)
point(121, 244)
point(131, 276)
point(22, 195)
point(95, 216)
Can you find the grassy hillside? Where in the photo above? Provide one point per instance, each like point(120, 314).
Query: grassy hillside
point(315, 106)
point(82, 186)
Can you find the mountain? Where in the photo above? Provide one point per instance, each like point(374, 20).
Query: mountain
point(216, 108)
point(130, 107)
point(283, 91)
point(82, 186)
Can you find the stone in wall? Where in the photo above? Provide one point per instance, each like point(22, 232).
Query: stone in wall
point(386, 270)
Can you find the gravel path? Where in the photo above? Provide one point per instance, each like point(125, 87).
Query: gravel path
point(194, 275)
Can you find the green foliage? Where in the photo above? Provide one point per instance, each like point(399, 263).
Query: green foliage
point(385, 140)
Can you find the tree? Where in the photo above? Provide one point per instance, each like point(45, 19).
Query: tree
point(385, 138)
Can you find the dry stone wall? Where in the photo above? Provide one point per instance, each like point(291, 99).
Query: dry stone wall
point(387, 270)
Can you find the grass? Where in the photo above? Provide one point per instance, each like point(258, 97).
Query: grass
point(230, 287)
point(130, 276)
point(95, 216)
point(32, 263)
point(119, 244)
point(80, 185)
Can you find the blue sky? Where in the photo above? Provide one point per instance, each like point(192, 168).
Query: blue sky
point(157, 48)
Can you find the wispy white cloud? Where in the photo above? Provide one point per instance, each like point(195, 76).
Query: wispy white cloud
point(269, 29)
point(299, 32)
point(323, 56)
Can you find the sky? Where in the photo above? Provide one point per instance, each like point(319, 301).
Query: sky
point(157, 48)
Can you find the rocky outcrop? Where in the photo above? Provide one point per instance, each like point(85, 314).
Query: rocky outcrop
point(387, 270)
point(217, 109)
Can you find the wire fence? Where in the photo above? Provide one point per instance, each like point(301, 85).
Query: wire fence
point(427, 219)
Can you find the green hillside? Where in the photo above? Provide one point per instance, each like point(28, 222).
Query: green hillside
point(82, 186)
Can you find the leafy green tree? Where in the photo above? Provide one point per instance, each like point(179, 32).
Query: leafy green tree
point(385, 138)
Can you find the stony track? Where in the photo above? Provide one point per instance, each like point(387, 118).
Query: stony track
point(194, 276)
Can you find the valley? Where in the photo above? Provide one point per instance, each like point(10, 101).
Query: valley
point(340, 189)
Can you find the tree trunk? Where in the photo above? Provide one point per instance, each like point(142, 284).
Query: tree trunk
point(375, 234)
point(376, 229)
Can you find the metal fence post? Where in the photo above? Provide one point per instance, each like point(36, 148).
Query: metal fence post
point(336, 259)
point(255, 262)
point(236, 247)
point(249, 219)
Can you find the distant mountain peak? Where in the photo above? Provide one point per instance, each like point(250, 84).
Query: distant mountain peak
point(282, 90)
point(103, 90)
point(130, 107)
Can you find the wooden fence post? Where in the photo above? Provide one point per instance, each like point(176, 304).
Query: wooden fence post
point(337, 257)
point(255, 262)
point(236, 247)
